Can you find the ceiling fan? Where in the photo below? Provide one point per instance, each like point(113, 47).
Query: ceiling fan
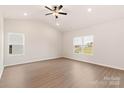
point(56, 10)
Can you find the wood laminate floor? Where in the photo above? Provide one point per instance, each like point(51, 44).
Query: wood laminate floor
point(61, 73)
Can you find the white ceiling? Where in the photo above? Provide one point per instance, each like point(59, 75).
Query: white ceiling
point(78, 16)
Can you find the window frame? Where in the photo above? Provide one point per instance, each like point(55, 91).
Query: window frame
point(82, 46)
point(23, 44)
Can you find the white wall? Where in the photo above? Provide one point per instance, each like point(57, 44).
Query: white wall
point(1, 46)
point(108, 44)
point(42, 42)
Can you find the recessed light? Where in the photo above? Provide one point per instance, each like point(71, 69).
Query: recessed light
point(89, 9)
point(25, 14)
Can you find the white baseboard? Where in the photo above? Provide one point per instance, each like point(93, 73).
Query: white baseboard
point(104, 65)
point(36, 60)
point(31, 61)
point(1, 71)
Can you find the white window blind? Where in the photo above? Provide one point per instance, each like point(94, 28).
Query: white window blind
point(16, 43)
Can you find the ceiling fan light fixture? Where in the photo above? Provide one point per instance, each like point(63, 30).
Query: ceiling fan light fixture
point(55, 11)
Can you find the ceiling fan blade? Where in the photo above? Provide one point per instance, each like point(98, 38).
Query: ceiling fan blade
point(48, 13)
point(56, 17)
point(62, 13)
point(48, 8)
point(60, 7)
point(55, 7)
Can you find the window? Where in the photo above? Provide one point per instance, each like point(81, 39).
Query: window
point(78, 45)
point(16, 43)
point(88, 45)
point(83, 45)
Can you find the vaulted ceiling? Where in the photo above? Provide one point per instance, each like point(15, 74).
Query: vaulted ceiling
point(78, 15)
